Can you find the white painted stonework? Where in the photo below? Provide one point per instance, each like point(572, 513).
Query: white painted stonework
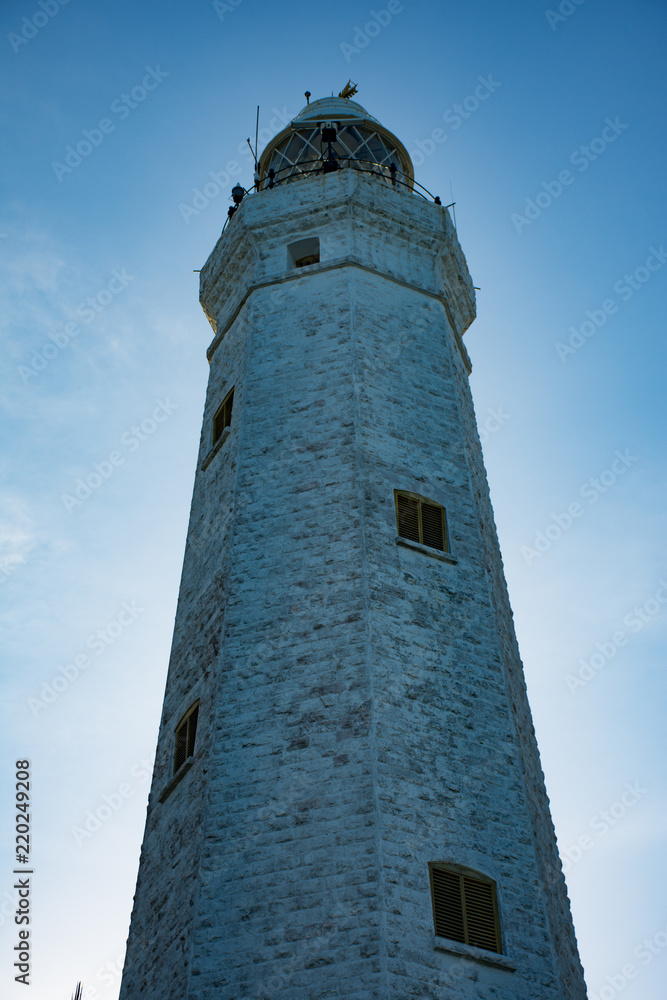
point(362, 704)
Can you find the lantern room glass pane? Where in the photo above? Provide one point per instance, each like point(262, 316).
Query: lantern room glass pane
point(360, 146)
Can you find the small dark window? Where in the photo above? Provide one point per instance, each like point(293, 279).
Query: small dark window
point(421, 520)
point(303, 252)
point(465, 906)
point(186, 732)
point(223, 416)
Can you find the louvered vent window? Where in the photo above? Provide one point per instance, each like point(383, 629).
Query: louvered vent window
point(186, 732)
point(465, 907)
point(223, 417)
point(421, 520)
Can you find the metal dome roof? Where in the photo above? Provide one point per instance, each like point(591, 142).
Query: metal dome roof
point(329, 108)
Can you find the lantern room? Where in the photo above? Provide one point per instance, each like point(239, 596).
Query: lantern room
point(330, 134)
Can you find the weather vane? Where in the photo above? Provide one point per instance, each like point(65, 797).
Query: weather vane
point(349, 90)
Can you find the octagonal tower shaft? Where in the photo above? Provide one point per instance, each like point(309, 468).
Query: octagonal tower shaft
point(361, 704)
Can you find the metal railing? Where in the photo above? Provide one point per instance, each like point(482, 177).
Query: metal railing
point(323, 165)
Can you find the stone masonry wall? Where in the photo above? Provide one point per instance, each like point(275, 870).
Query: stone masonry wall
point(363, 710)
point(159, 944)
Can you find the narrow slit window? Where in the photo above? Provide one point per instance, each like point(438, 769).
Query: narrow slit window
point(421, 520)
point(465, 906)
point(223, 416)
point(186, 734)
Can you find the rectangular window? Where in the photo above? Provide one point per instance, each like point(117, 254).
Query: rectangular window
point(223, 416)
point(421, 520)
point(186, 733)
point(465, 907)
point(303, 252)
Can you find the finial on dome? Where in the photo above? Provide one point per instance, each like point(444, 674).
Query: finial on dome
point(349, 90)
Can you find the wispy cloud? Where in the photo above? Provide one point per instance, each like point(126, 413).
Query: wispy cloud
point(17, 535)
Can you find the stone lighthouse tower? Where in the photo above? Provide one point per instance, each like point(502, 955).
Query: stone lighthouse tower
point(347, 801)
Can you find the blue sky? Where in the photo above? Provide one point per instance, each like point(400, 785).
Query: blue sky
point(97, 265)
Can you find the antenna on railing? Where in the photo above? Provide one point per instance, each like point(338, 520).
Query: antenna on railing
point(256, 135)
point(254, 151)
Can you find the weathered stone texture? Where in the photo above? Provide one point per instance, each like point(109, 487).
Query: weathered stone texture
point(363, 709)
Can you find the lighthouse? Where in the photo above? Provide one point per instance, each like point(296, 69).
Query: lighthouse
point(347, 799)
